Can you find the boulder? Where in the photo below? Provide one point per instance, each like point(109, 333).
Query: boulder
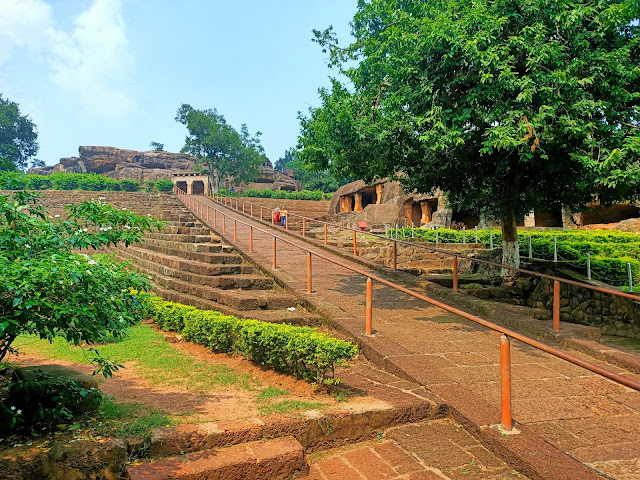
point(629, 225)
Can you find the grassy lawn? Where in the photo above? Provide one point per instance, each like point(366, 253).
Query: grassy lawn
point(159, 362)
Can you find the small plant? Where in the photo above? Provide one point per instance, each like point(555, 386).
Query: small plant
point(380, 436)
point(164, 185)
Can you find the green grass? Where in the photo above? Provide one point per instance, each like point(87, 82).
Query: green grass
point(130, 419)
point(270, 393)
point(285, 406)
point(159, 362)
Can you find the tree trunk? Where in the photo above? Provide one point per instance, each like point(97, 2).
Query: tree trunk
point(510, 250)
point(214, 179)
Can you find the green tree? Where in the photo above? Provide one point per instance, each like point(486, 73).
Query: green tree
point(49, 290)
point(18, 137)
point(311, 180)
point(222, 151)
point(157, 147)
point(505, 105)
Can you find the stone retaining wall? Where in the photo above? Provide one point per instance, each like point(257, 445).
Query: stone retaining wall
point(612, 314)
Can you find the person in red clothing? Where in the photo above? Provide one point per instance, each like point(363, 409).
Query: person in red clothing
point(276, 215)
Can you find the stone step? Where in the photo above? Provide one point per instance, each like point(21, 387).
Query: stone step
point(226, 258)
point(183, 230)
point(179, 263)
point(225, 282)
point(241, 300)
point(277, 459)
point(295, 317)
point(176, 237)
point(190, 247)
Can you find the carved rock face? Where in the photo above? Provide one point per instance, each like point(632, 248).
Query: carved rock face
point(123, 164)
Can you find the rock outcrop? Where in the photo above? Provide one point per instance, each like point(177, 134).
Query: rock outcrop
point(123, 164)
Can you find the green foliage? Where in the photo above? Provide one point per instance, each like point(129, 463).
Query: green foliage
point(299, 351)
point(506, 106)
point(323, 180)
point(157, 147)
point(129, 185)
point(18, 137)
point(42, 401)
point(610, 250)
point(149, 185)
point(49, 290)
point(282, 194)
point(164, 185)
point(221, 150)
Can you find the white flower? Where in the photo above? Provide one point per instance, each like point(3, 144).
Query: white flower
point(27, 245)
point(13, 408)
point(124, 208)
point(148, 214)
point(85, 229)
point(50, 216)
point(102, 198)
point(127, 227)
point(57, 215)
point(291, 309)
point(19, 412)
point(89, 272)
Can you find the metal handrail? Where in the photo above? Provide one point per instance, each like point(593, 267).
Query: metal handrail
point(474, 318)
point(473, 259)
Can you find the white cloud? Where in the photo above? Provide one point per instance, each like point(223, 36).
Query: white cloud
point(91, 62)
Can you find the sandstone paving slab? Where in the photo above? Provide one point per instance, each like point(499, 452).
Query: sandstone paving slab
point(416, 328)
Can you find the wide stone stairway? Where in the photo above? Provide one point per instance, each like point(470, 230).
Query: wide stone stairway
point(191, 265)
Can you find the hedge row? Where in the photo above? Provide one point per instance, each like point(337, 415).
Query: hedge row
point(282, 194)
point(300, 351)
point(610, 250)
point(76, 181)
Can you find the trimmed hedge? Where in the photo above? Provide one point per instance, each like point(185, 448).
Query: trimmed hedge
point(300, 351)
point(282, 194)
point(76, 181)
point(610, 250)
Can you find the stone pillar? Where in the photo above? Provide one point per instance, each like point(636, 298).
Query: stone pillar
point(357, 207)
point(427, 211)
point(345, 203)
point(379, 189)
point(408, 211)
point(189, 187)
point(530, 219)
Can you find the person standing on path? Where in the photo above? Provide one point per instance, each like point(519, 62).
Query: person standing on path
point(276, 215)
point(283, 216)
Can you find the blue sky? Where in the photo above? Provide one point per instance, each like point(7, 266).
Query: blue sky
point(114, 72)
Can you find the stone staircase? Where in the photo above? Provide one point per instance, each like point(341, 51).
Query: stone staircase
point(190, 264)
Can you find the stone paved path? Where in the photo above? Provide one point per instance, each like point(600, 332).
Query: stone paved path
point(591, 418)
point(435, 450)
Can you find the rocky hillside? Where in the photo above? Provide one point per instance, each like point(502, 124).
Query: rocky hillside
point(123, 164)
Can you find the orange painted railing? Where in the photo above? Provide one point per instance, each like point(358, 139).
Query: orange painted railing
point(557, 281)
point(505, 363)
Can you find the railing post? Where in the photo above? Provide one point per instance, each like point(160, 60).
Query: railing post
point(588, 266)
point(325, 234)
point(464, 235)
point(355, 246)
point(243, 207)
point(224, 230)
point(260, 213)
point(208, 212)
point(309, 272)
point(505, 377)
point(286, 222)
point(236, 204)
point(273, 216)
point(455, 274)
point(235, 236)
point(369, 308)
point(251, 210)
point(530, 249)
point(250, 239)
point(395, 255)
point(555, 250)
point(304, 226)
point(630, 277)
point(556, 305)
point(273, 257)
point(215, 217)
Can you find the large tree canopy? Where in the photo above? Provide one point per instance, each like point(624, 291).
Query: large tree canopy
point(18, 137)
point(221, 150)
point(506, 105)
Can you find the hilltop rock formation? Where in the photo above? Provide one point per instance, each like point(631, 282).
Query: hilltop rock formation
point(123, 164)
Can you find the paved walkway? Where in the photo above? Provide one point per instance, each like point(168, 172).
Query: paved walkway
point(591, 418)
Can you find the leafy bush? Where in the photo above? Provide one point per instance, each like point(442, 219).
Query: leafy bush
point(129, 185)
point(279, 194)
point(49, 289)
point(43, 401)
point(12, 181)
point(149, 185)
point(164, 185)
point(282, 194)
point(300, 351)
point(37, 182)
point(252, 192)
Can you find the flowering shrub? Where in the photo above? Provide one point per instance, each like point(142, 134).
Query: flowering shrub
point(300, 351)
point(50, 290)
